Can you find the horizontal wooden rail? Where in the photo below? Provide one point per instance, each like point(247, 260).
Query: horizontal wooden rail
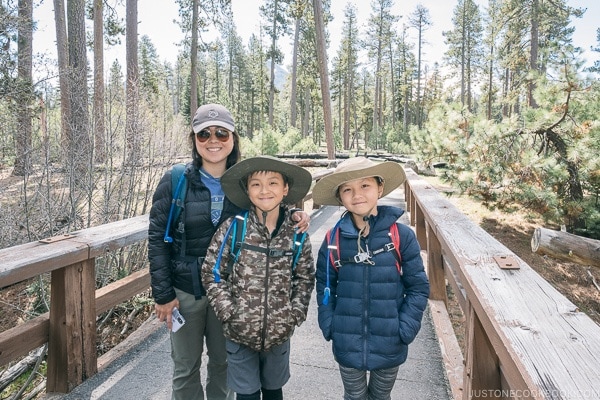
point(70, 326)
point(523, 338)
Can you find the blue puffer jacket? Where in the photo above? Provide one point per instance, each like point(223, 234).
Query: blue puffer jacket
point(373, 312)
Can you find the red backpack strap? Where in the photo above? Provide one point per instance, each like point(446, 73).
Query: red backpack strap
point(395, 236)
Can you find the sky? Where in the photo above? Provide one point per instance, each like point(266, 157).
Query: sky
point(156, 20)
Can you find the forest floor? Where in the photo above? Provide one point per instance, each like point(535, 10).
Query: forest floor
point(514, 230)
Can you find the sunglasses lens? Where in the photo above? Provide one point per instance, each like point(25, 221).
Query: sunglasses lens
point(221, 135)
point(203, 135)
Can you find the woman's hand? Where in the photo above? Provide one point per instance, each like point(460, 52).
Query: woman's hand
point(302, 220)
point(164, 312)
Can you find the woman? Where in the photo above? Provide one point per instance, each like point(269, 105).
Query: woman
point(175, 267)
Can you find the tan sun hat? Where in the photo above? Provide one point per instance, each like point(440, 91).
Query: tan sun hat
point(325, 190)
point(234, 179)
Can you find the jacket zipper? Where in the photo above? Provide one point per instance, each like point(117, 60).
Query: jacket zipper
point(266, 299)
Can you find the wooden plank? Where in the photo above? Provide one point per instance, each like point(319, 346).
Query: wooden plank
point(451, 353)
point(113, 236)
point(122, 290)
point(20, 340)
point(19, 263)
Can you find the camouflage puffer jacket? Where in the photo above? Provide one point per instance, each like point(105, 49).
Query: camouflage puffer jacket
point(263, 300)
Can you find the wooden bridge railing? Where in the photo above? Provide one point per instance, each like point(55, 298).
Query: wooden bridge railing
point(524, 340)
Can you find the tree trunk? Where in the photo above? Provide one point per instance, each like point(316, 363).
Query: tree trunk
point(194, 61)
point(99, 146)
point(272, 79)
point(25, 93)
point(131, 103)
point(322, 58)
point(533, 54)
point(63, 71)
point(566, 246)
point(294, 83)
point(79, 148)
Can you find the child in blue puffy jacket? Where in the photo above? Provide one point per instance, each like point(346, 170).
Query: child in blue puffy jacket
point(372, 288)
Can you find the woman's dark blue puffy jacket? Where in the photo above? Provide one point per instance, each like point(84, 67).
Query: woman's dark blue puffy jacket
point(172, 265)
point(373, 312)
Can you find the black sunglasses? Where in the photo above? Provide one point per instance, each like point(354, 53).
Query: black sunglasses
point(221, 134)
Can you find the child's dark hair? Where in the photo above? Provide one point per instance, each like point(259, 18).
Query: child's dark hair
point(286, 180)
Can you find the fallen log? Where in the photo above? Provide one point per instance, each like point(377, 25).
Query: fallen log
point(566, 246)
point(307, 163)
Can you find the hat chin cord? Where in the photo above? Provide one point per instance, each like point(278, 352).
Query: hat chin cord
point(363, 232)
point(265, 212)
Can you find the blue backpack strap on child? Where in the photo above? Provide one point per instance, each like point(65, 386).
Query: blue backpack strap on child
point(179, 190)
point(237, 231)
point(333, 240)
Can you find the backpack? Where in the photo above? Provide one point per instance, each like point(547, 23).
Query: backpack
point(179, 190)
point(237, 231)
point(334, 234)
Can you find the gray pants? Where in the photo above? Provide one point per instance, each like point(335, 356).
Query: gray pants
point(379, 385)
point(249, 370)
point(187, 345)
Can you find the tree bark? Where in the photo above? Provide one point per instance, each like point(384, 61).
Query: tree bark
point(294, 83)
point(63, 71)
point(131, 104)
point(322, 58)
point(79, 147)
point(25, 89)
point(566, 246)
point(273, 52)
point(99, 150)
point(194, 61)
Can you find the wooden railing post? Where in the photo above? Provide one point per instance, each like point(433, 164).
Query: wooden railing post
point(482, 373)
point(435, 267)
point(72, 338)
point(420, 225)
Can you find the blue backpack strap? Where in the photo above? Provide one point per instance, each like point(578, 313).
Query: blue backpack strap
point(237, 235)
point(179, 189)
point(297, 247)
point(237, 230)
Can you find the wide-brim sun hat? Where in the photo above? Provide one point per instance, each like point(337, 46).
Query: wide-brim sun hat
point(325, 190)
point(234, 179)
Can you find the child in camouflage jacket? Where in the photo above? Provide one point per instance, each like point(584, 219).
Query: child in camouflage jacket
point(263, 296)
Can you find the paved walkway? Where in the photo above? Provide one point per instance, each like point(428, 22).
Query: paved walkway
point(144, 370)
